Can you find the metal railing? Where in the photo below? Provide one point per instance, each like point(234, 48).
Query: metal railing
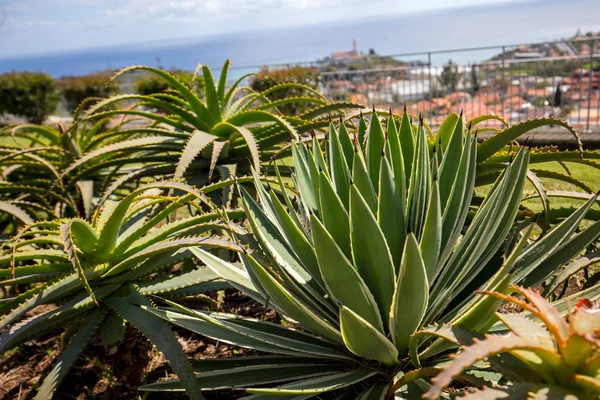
point(516, 82)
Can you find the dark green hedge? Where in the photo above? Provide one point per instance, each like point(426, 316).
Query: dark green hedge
point(32, 96)
point(75, 89)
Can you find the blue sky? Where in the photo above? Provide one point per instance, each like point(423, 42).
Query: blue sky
point(48, 26)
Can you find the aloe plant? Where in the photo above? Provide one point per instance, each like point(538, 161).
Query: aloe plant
point(233, 128)
point(97, 273)
point(33, 161)
point(374, 243)
point(556, 359)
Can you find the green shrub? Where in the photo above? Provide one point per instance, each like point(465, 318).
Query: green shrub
point(75, 89)
point(32, 96)
point(267, 79)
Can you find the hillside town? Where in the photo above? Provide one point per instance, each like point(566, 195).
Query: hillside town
point(560, 79)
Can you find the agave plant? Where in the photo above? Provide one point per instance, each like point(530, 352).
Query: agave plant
point(494, 152)
point(233, 128)
point(367, 252)
point(97, 273)
point(557, 359)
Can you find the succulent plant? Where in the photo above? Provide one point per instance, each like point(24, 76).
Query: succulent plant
point(556, 357)
point(97, 273)
point(232, 128)
point(363, 253)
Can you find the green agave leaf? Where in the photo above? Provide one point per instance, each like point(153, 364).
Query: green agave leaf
point(342, 280)
point(338, 165)
point(250, 333)
point(291, 306)
point(364, 340)
point(431, 240)
point(570, 269)
point(453, 148)
point(396, 159)
point(249, 376)
point(318, 385)
point(411, 296)
point(334, 216)
point(377, 392)
point(390, 212)
point(566, 252)
point(448, 130)
point(362, 181)
point(236, 276)
point(374, 149)
point(407, 144)
point(535, 254)
point(370, 253)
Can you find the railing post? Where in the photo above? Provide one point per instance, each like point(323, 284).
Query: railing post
point(503, 83)
point(589, 96)
point(430, 86)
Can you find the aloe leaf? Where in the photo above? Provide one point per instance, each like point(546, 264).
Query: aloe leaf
point(69, 247)
point(70, 354)
point(486, 348)
point(248, 138)
point(197, 142)
point(17, 212)
point(169, 284)
point(492, 145)
point(223, 82)
point(407, 144)
point(370, 253)
point(411, 295)
point(126, 303)
point(195, 103)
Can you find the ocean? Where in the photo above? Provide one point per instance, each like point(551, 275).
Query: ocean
point(536, 21)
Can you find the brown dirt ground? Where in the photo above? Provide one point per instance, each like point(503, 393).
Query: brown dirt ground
point(114, 372)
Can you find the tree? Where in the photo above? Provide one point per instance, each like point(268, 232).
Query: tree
point(450, 77)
